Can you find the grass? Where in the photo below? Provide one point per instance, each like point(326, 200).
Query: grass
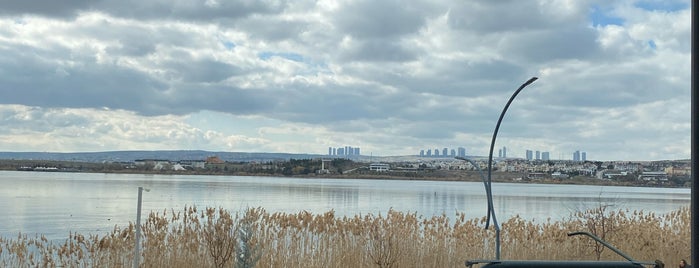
point(215, 237)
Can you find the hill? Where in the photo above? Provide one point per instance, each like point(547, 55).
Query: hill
point(172, 155)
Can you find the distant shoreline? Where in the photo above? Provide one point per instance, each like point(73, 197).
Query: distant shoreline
point(456, 176)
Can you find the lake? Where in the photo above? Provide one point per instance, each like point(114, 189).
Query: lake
point(55, 204)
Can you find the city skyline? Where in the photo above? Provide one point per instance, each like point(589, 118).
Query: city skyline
point(445, 151)
point(344, 151)
point(529, 155)
point(290, 76)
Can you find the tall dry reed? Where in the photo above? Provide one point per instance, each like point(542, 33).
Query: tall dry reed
point(215, 237)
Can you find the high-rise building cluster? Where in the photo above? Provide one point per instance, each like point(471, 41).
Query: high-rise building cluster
point(444, 152)
point(538, 155)
point(344, 151)
point(579, 156)
point(545, 156)
point(502, 153)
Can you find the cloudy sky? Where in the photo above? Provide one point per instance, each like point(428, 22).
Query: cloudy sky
point(391, 77)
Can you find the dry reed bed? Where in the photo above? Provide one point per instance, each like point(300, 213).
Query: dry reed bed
point(216, 238)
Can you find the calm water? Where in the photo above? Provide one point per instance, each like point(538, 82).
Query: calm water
point(55, 204)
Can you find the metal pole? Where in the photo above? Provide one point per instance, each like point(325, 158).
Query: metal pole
point(137, 248)
point(490, 164)
point(491, 211)
point(694, 207)
point(609, 246)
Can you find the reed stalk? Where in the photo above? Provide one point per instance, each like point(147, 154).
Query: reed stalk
point(215, 237)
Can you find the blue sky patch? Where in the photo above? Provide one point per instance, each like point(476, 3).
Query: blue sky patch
point(289, 56)
point(662, 5)
point(228, 44)
point(652, 45)
point(601, 17)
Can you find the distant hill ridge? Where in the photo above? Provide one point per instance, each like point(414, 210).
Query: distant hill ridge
point(172, 155)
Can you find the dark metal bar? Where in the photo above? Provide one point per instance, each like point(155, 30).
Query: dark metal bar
point(609, 246)
point(694, 207)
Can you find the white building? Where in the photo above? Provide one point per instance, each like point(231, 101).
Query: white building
point(380, 167)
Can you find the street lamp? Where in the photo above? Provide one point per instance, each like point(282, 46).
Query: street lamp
point(137, 248)
point(488, 183)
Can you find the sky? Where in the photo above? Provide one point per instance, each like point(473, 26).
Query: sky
point(390, 77)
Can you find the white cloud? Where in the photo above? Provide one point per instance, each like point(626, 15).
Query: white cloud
point(312, 74)
point(67, 129)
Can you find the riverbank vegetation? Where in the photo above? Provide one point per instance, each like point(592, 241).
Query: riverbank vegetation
point(215, 237)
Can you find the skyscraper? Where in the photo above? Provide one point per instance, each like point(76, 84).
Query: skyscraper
point(462, 151)
point(504, 152)
point(545, 156)
point(422, 152)
point(583, 156)
point(576, 156)
point(445, 152)
point(538, 155)
point(453, 152)
point(529, 155)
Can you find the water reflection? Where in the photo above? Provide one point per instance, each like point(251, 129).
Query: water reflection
point(57, 203)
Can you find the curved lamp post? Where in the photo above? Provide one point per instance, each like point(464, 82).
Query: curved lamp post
point(488, 182)
point(490, 166)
